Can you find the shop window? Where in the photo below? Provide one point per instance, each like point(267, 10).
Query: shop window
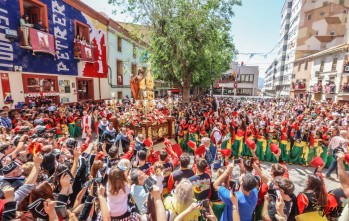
point(119, 72)
point(36, 11)
point(119, 44)
point(82, 31)
point(120, 95)
point(36, 85)
point(40, 89)
point(309, 17)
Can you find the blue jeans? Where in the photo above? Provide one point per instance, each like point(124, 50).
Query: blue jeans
point(333, 166)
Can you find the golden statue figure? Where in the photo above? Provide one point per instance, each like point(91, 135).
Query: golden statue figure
point(143, 83)
point(136, 83)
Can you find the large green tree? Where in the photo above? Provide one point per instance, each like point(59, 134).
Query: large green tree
point(190, 44)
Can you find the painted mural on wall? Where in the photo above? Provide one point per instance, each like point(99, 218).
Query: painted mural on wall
point(61, 20)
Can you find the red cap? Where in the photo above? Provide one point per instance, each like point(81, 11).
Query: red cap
point(34, 148)
point(148, 142)
point(226, 152)
point(191, 144)
point(203, 133)
point(274, 148)
point(317, 162)
point(250, 143)
point(200, 150)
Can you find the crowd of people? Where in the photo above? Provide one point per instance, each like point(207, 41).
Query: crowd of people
point(71, 162)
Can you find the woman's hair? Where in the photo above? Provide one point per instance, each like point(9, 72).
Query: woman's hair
point(315, 183)
point(126, 163)
point(27, 168)
point(116, 180)
point(184, 193)
point(98, 164)
point(42, 190)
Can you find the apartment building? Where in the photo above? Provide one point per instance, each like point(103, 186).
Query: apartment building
point(269, 88)
point(282, 47)
point(239, 80)
point(322, 26)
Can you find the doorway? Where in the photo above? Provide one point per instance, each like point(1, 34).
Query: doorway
point(85, 90)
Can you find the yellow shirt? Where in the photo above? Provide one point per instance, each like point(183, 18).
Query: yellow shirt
point(176, 209)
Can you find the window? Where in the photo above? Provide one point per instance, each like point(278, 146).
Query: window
point(119, 94)
point(309, 17)
point(36, 11)
point(119, 72)
point(252, 78)
point(119, 44)
point(134, 51)
point(334, 64)
point(299, 66)
point(341, 2)
point(332, 33)
point(322, 66)
point(325, 3)
point(322, 13)
point(306, 65)
point(82, 30)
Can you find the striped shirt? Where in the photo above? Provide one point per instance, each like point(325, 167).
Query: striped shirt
point(338, 141)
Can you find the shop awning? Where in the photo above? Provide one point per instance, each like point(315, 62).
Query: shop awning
point(174, 90)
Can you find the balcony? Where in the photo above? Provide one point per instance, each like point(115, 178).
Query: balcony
point(83, 50)
point(298, 86)
point(37, 40)
point(330, 88)
point(318, 89)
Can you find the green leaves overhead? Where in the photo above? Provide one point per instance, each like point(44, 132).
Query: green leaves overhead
point(190, 42)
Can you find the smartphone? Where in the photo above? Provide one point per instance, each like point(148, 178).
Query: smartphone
point(148, 184)
point(94, 189)
point(237, 161)
point(206, 207)
point(61, 212)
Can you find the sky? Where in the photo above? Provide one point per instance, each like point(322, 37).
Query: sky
point(255, 28)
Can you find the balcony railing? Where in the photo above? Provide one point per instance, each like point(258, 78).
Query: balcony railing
point(37, 40)
point(83, 50)
point(298, 86)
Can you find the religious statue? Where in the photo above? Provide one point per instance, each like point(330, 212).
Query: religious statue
point(136, 83)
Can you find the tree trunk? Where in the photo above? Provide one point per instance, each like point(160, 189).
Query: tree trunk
point(186, 88)
point(195, 92)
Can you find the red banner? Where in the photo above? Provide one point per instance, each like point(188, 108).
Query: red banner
point(42, 42)
point(87, 53)
point(6, 89)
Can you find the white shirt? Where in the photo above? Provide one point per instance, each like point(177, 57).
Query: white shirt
point(338, 141)
point(117, 204)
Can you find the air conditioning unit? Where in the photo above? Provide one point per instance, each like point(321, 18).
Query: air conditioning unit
point(17, 68)
point(11, 35)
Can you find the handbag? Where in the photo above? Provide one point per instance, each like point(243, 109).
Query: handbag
point(316, 215)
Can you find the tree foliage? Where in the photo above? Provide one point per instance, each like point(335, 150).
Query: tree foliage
point(190, 42)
